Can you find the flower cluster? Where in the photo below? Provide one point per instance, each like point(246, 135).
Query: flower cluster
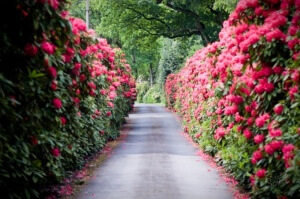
point(243, 93)
point(60, 87)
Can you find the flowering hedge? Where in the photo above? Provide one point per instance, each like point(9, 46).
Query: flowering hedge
point(239, 97)
point(63, 93)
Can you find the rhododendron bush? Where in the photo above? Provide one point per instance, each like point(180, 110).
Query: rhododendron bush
point(64, 93)
point(239, 97)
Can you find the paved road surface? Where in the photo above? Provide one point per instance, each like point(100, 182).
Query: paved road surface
point(155, 162)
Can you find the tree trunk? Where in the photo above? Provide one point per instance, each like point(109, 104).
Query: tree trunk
point(205, 38)
point(151, 75)
point(133, 64)
point(87, 10)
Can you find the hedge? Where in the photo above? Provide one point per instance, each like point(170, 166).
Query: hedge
point(64, 93)
point(239, 97)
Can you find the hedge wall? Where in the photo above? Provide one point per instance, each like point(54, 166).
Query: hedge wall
point(239, 97)
point(64, 93)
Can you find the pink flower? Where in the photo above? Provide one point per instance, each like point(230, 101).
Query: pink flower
point(238, 118)
point(82, 78)
point(278, 70)
point(30, 50)
point(230, 110)
point(275, 34)
point(261, 120)
point(108, 113)
point(52, 72)
point(261, 173)
point(65, 190)
point(275, 133)
point(76, 100)
point(55, 152)
point(110, 104)
point(54, 4)
point(268, 87)
point(293, 30)
point(48, 47)
point(293, 91)
point(259, 139)
point(250, 121)
point(278, 109)
point(53, 85)
point(247, 133)
point(198, 135)
point(112, 95)
point(220, 132)
point(288, 148)
point(259, 89)
point(257, 155)
point(92, 85)
point(34, 141)
point(269, 150)
point(288, 154)
point(63, 120)
point(57, 103)
point(276, 144)
point(92, 93)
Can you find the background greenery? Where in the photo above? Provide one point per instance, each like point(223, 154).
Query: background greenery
point(157, 36)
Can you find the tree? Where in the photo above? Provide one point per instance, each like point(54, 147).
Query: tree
point(168, 18)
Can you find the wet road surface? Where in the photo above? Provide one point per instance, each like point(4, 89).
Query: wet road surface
point(155, 162)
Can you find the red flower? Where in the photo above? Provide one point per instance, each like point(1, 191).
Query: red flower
point(108, 113)
point(259, 139)
point(247, 133)
point(52, 72)
point(34, 141)
point(48, 47)
point(278, 70)
point(57, 103)
point(288, 148)
point(53, 85)
point(275, 133)
point(261, 173)
point(257, 155)
point(278, 109)
point(276, 144)
point(261, 120)
point(293, 91)
point(54, 4)
point(269, 150)
point(63, 120)
point(55, 152)
point(110, 104)
point(30, 50)
point(82, 78)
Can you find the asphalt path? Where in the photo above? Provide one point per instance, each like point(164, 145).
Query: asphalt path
point(155, 162)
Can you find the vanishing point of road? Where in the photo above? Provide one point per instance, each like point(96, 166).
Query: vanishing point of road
point(155, 162)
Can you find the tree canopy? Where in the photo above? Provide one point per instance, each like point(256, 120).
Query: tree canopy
point(145, 29)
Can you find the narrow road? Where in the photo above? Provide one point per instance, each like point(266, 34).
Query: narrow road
point(155, 162)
